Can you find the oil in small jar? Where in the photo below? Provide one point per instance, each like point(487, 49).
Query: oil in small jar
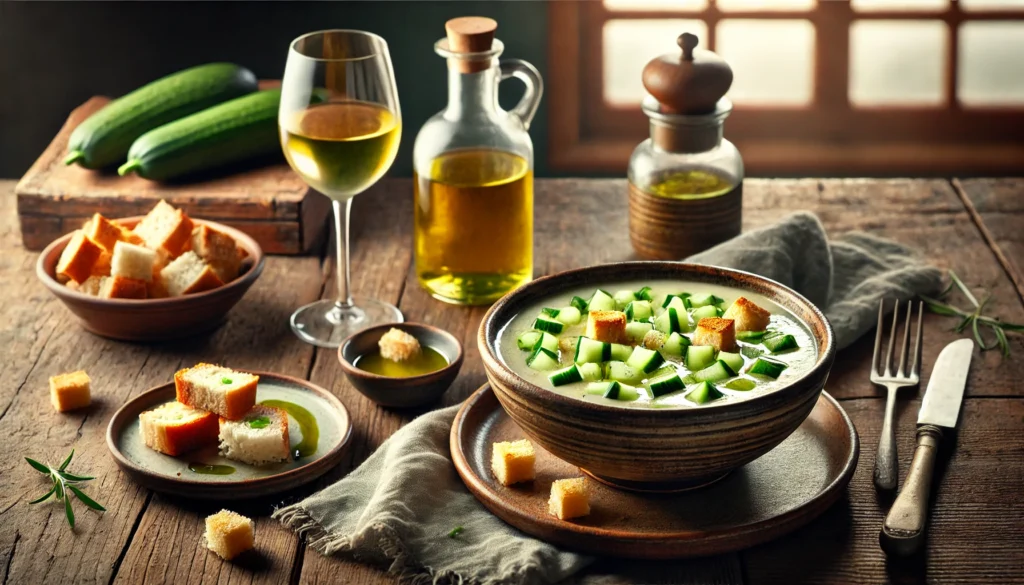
point(691, 184)
point(474, 225)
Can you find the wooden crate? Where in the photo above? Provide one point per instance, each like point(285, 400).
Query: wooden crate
point(269, 203)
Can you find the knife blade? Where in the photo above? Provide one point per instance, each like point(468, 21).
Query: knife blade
point(941, 404)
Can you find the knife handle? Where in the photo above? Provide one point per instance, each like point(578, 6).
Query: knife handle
point(903, 531)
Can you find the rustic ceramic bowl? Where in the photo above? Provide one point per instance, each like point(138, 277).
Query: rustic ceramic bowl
point(153, 319)
point(401, 392)
point(655, 449)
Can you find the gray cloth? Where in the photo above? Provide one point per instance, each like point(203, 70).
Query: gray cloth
point(398, 507)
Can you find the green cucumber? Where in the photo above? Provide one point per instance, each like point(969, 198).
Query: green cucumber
point(569, 315)
point(699, 357)
point(644, 294)
point(716, 372)
point(704, 300)
point(639, 310)
point(623, 298)
point(741, 384)
point(579, 303)
point(665, 385)
point(549, 325)
point(644, 360)
point(636, 330)
point(547, 341)
point(237, 130)
point(601, 301)
point(705, 312)
point(591, 351)
point(780, 343)
point(569, 375)
point(733, 360)
point(542, 359)
point(105, 137)
point(621, 352)
point(676, 345)
point(528, 339)
point(751, 336)
point(620, 372)
point(591, 372)
point(766, 367)
point(550, 312)
point(703, 393)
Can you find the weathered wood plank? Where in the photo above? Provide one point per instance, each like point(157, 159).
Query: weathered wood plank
point(976, 522)
point(997, 205)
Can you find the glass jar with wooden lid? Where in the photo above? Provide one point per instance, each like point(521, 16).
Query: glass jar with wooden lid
point(686, 180)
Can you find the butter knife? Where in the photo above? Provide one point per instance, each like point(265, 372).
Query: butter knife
point(903, 530)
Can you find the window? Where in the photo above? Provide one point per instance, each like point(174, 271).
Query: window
point(865, 87)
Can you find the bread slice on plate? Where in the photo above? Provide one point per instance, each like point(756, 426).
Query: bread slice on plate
point(78, 257)
point(188, 274)
point(219, 250)
point(174, 428)
point(131, 261)
point(227, 392)
point(258, 438)
point(119, 287)
point(165, 228)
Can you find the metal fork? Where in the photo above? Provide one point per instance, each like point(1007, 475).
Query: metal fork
point(886, 463)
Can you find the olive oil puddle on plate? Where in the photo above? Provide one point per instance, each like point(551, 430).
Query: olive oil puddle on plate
point(427, 361)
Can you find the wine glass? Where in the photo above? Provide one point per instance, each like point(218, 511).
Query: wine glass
point(340, 128)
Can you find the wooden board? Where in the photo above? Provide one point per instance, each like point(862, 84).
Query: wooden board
point(269, 201)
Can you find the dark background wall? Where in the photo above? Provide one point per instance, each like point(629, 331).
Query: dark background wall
point(55, 55)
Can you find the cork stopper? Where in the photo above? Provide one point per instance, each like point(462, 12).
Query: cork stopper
point(690, 82)
point(470, 34)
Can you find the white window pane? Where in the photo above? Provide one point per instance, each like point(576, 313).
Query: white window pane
point(897, 62)
point(973, 5)
point(670, 5)
point(772, 60)
point(900, 5)
point(630, 44)
point(990, 66)
point(765, 5)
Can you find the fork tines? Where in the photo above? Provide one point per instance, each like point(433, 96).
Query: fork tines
point(903, 373)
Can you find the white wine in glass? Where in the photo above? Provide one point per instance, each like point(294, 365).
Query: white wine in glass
point(340, 128)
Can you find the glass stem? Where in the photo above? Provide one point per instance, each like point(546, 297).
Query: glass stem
point(342, 211)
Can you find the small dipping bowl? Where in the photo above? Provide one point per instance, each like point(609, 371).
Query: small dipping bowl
point(401, 392)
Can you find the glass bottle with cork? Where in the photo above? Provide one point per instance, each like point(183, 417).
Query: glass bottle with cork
point(686, 180)
point(473, 173)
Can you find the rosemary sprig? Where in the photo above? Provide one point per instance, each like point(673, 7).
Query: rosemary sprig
point(65, 484)
point(973, 318)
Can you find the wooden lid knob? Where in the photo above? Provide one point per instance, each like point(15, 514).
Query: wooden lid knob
point(690, 82)
point(470, 34)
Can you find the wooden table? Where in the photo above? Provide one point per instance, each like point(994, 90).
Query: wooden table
point(975, 227)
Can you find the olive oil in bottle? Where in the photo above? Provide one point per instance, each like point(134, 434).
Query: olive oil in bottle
point(474, 225)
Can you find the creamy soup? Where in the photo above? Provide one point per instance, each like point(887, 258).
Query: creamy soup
point(657, 344)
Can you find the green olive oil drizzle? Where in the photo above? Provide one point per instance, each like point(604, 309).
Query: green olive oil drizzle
point(205, 469)
point(307, 425)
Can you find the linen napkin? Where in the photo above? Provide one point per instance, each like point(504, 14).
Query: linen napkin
point(398, 507)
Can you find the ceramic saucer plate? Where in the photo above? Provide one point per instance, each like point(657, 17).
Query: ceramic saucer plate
point(172, 474)
point(770, 496)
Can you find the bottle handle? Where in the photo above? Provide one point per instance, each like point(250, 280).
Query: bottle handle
point(528, 74)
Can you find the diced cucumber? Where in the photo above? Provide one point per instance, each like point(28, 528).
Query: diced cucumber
point(749, 351)
point(591, 372)
point(620, 372)
point(645, 294)
point(528, 339)
point(767, 367)
point(665, 384)
point(623, 298)
point(716, 372)
point(548, 342)
point(621, 352)
point(672, 321)
point(644, 360)
point(635, 330)
point(569, 315)
point(780, 343)
point(549, 312)
point(705, 312)
point(704, 300)
point(545, 323)
point(626, 393)
point(601, 301)
point(543, 360)
point(741, 384)
point(703, 393)
point(598, 388)
point(569, 375)
point(733, 360)
point(676, 344)
point(686, 300)
point(665, 369)
point(677, 304)
point(699, 357)
point(613, 390)
point(751, 336)
point(639, 310)
point(668, 299)
point(592, 351)
point(579, 303)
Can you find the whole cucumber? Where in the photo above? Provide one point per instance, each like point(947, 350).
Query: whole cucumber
point(242, 128)
point(105, 137)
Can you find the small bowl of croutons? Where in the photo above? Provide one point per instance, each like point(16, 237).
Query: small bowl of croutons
point(156, 277)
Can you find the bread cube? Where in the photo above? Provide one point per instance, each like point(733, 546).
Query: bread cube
point(227, 392)
point(103, 231)
point(102, 265)
point(607, 326)
point(716, 331)
point(119, 287)
point(229, 534)
point(258, 438)
point(174, 428)
point(570, 498)
point(397, 345)
point(747, 315)
point(654, 339)
point(78, 258)
point(512, 461)
point(70, 391)
point(91, 286)
point(219, 250)
point(188, 274)
point(165, 228)
point(131, 261)
point(156, 289)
